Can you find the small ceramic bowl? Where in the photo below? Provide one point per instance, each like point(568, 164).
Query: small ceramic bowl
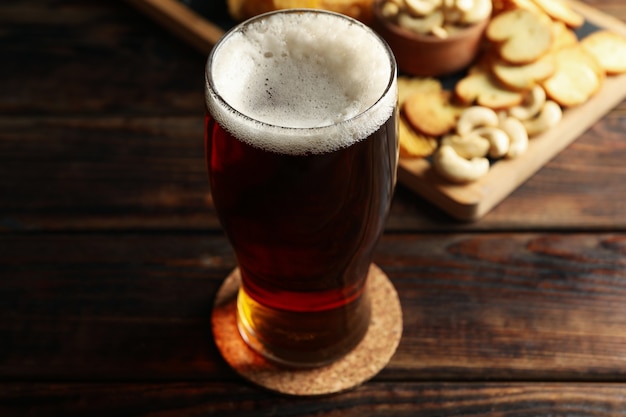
point(429, 55)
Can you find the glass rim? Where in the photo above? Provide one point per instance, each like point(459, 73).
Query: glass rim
point(210, 85)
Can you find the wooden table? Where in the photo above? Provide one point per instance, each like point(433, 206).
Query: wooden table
point(111, 252)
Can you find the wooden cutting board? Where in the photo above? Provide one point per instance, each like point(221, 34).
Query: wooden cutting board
point(464, 202)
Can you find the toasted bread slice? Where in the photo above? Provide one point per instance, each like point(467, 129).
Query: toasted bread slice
point(524, 77)
point(244, 9)
point(577, 79)
point(523, 36)
point(484, 89)
point(431, 113)
point(414, 144)
point(562, 35)
point(609, 49)
point(561, 11)
point(407, 86)
point(504, 5)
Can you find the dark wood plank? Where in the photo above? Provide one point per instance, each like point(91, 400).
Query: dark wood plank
point(373, 399)
point(111, 307)
point(521, 306)
point(103, 173)
point(93, 58)
point(104, 306)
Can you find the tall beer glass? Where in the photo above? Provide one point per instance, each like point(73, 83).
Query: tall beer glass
point(301, 148)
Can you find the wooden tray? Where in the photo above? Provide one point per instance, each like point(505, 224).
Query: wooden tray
point(472, 201)
point(465, 202)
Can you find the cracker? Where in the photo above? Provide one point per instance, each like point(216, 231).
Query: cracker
point(483, 89)
point(577, 78)
point(522, 36)
point(407, 86)
point(431, 112)
point(358, 9)
point(504, 5)
point(413, 144)
point(562, 35)
point(524, 77)
point(244, 9)
point(561, 11)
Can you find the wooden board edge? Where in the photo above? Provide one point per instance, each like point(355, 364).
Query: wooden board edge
point(188, 25)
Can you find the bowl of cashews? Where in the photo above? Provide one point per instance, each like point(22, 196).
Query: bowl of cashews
point(432, 37)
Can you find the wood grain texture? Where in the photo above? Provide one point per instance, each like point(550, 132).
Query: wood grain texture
point(373, 400)
point(111, 251)
point(101, 306)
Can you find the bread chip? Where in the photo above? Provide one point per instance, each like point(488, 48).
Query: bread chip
point(559, 10)
point(358, 9)
point(523, 36)
point(609, 49)
point(578, 77)
point(244, 9)
point(504, 5)
point(562, 35)
point(524, 77)
point(407, 86)
point(289, 4)
point(483, 89)
point(413, 144)
point(431, 112)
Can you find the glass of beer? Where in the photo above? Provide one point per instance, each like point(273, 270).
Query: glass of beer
point(301, 149)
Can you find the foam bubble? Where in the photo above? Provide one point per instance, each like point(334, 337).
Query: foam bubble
point(309, 82)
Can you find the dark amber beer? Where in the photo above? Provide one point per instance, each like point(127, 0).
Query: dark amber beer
point(301, 148)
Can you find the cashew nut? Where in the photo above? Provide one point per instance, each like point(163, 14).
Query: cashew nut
point(517, 136)
point(474, 117)
point(440, 18)
point(422, 7)
point(532, 104)
point(498, 139)
point(422, 25)
point(451, 11)
point(390, 10)
point(458, 169)
point(468, 147)
point(464, 5)
point(549, 116)
point(440, 32)
point(480, 10)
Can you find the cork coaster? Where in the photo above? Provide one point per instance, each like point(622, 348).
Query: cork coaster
point(364, 362)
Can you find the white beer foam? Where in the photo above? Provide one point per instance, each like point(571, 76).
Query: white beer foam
point(308, 82)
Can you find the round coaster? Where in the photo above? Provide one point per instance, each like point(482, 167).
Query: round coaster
point(364, 362)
